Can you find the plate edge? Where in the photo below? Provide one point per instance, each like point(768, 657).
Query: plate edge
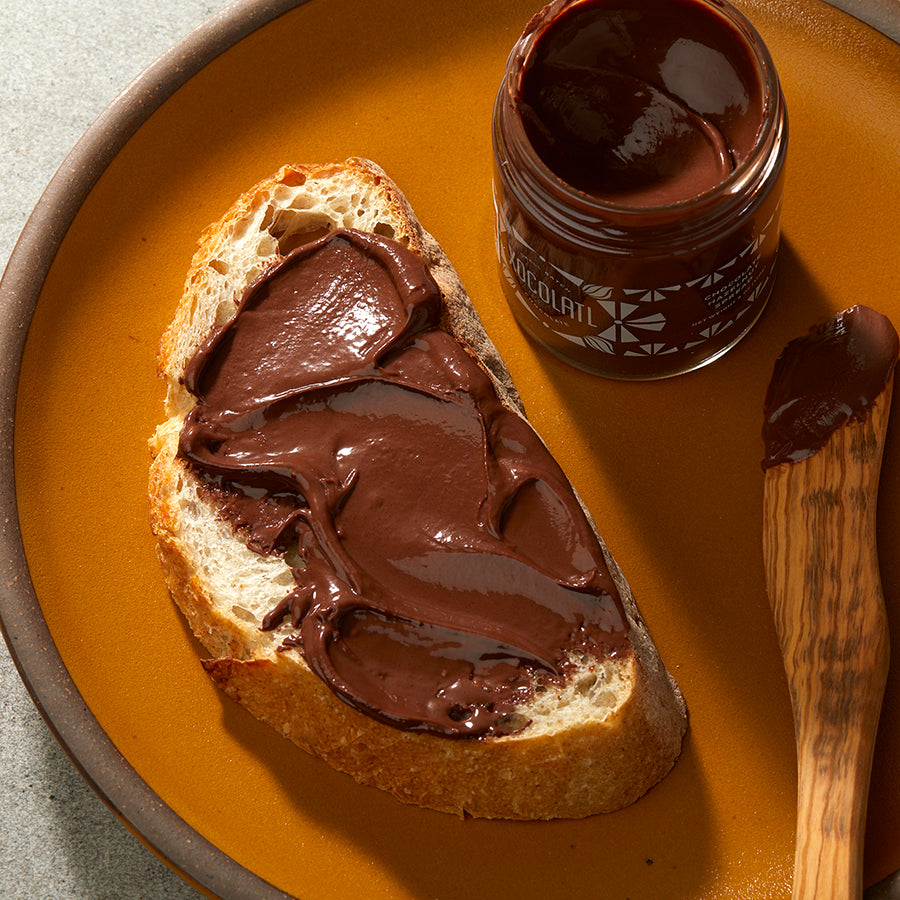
point(26, 634)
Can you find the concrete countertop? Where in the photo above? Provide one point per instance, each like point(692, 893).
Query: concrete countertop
point(62, 63)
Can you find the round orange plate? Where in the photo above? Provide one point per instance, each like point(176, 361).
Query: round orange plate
point(670, 470)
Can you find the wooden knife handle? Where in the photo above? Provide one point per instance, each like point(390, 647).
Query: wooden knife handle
point(825, 590)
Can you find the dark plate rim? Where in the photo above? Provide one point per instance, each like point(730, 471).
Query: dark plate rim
point(21, 621)
point(32, 649)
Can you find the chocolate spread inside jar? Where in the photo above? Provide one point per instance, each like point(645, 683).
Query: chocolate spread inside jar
point(444, 569)
point(832, 375)
point(639, 148)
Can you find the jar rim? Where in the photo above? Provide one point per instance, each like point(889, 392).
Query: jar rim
point(730, 188)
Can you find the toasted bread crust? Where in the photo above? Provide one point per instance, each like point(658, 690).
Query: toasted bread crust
point(510, 778)
point(579, 757)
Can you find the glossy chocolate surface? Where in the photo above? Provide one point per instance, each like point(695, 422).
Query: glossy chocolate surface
point(832, 375)
point(443, 565)
point(639, 166)
point(644, 103)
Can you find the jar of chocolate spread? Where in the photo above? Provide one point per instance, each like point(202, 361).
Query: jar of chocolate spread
point(639, 148)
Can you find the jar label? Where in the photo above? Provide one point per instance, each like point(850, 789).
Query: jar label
point(653, 323)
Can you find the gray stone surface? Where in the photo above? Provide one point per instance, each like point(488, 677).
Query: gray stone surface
point(61, 63)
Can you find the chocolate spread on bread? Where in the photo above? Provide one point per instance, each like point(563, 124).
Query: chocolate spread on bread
point(829, 376)
point(444, 569)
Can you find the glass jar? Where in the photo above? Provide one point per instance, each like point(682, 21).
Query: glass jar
point(615, 283)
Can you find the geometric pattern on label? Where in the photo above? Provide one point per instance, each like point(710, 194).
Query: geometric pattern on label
point(635, 318)
point(638, 314)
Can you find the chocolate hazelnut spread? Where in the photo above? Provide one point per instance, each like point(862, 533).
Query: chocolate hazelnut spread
point(639, 168)
point(642, 103)
point(444, 569)
point(830, 376)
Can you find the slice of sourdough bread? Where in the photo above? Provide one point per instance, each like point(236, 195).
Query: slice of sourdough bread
point(594, 745)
